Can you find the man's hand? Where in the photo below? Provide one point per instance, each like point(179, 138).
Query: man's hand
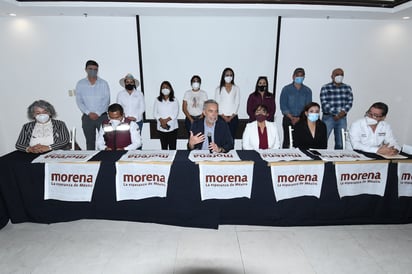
point(387, 150)
point(93, 116)
point(196, 139)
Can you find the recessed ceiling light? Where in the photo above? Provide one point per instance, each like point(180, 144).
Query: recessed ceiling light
point(406, 18)
point(12, 14)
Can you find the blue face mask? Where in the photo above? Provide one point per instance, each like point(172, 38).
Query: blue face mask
point(313, 117)
point(299, 80)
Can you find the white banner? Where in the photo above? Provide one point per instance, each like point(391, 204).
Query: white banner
point(279, 155)
point(205, 155)
point(70, 181)
point(149, 156)
point(66, 156)
point(135, 181)
point(295, 179)
point(225, 180)
point(405, 178)
point(366, 177)
point(338, 155)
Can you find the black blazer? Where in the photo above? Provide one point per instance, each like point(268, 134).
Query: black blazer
point(222, 136)
point(302, 138)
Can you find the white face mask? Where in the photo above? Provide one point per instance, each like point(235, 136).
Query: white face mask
point(42, 118)
point(370, 121)
point(338, 79)
point(228, 79)
point(165, 91)
point(195, 85)
point(115, 123)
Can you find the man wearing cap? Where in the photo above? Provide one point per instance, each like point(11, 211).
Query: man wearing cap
point(131, 99)
point(293, 98)
point(336, 99)
point(93, 99)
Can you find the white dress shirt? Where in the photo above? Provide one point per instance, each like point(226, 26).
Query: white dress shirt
point(363, 138)
point(133, 104)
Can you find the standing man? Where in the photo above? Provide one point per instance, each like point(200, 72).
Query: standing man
point(93, 99)
point(336, 99)
point(293, 99)
point(132, 100)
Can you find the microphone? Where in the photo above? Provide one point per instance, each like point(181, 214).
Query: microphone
point(209, 139)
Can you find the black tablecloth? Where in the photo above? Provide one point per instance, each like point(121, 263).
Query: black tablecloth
point(22, 199)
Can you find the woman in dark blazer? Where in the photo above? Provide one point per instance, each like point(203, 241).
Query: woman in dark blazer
point(310, 132)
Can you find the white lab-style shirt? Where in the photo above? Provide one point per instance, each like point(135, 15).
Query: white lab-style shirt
point(363, 138)
point(250, 139)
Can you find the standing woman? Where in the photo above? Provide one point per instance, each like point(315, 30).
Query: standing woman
point(166, 110)
point(261, 96)
point(227, 96)
point(261, 134)
point(310, 132)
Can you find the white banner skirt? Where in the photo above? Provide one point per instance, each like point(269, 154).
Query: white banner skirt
point(225, 180)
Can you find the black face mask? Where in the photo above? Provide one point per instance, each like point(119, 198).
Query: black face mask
point(130, 87)
point(262, 88)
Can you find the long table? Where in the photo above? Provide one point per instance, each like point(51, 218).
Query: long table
point(22, 199)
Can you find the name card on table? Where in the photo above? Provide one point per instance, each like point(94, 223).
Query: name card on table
point(296, 179)
point(65, 156)
point(362, 177)
point(225, 180)
point(70, 181)
point(338, 155)
point(205, 155)
point(149, 156)
point(405, 178)
point(278, 155)
point(141, 180)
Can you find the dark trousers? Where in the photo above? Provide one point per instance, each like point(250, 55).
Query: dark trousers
point(188, 124)
point(233, 124)
point(90, 127)
point(168, 139)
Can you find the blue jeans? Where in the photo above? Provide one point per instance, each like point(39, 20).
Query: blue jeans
point(336, 126)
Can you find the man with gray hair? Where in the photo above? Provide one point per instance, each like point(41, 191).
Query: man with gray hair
point(211, 132)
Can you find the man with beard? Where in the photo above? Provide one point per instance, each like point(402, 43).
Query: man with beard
point(211, 132)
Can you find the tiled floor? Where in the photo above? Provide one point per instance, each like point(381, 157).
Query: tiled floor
point(98, 246)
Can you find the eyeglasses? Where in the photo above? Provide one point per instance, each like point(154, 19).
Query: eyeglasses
point(372, 115)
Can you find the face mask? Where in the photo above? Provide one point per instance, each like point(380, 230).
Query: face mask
point(228, 79)
point(370, 121)
point(92, 73)
point(165, 91)
point(129, 87)
point(262, 88)
point(338, 79)
point(115, 123)
point(42, 118)
point(313, 117)
point(195, 85)
point(299, 80)
point(260, 117)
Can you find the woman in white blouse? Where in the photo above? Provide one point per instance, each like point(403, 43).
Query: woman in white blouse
point(261, 134)
point(227, 95)
point(44, 133)
point(165, 111)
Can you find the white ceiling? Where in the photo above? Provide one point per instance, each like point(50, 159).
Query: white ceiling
point(23, 9)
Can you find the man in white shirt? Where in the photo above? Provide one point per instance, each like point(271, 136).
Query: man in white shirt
point(132, 99)
point(373, 134)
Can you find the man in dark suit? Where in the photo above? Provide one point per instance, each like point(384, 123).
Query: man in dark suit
point(211, 132)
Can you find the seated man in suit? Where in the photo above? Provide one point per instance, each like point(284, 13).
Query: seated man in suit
point(211, 132)
point(373, 134)
point(118, 132)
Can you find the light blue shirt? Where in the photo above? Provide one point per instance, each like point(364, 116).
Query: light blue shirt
point(211, 131)
point(92, 98)
point(293, 100)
